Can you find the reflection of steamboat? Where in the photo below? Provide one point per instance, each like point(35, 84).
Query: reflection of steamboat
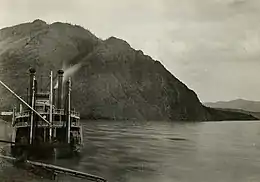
point(48, 126)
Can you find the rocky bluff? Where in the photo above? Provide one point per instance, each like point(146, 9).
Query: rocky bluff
point(111, 80)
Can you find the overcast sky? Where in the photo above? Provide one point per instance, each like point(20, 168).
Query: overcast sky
point(213, 46)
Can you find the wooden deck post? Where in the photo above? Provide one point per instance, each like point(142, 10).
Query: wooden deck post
point(32, 113)
point(51, 102)
point(68, 110)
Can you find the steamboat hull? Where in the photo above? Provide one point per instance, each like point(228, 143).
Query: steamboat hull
point(44, 147)
point(44, 151)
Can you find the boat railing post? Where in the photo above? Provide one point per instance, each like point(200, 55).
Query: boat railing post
point(81, 135)
point(13, 119)
point(68, 110)
point(21, 109)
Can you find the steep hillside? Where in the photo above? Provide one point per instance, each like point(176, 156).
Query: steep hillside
point(110, 79)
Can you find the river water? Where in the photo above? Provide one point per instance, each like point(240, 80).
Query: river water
point(163, 152)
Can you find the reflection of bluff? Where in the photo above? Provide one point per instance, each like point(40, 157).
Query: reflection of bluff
point(112, 80)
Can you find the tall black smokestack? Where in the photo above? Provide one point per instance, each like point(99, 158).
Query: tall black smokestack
point(60, 88)
point(32, 76)
point(54, 97)
point(68, 108)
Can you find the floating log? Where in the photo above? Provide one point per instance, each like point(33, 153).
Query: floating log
point(57, 169)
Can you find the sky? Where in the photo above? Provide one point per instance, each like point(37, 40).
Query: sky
point(213, 46)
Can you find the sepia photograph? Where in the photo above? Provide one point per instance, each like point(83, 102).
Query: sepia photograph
point(129, 90)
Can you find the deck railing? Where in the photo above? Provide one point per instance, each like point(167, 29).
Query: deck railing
point(42, 123)
point(55, 111)
point(61, 112)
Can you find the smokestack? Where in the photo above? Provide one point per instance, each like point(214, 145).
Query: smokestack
point(54, 97)
point(68, 108)
point(60, 82)
point(32, 77)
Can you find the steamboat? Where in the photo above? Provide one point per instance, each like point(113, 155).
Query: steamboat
point(47, 127)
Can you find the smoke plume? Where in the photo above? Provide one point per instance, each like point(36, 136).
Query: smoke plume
point(68, 72)
point(56, 86)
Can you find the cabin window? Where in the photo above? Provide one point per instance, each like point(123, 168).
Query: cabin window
point(56, 117)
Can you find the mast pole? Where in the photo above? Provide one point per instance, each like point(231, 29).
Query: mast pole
point(25, 103)
point(27, 98)
point(51, 101)
point(33, 99)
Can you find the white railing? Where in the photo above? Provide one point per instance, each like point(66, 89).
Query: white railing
point(58, 111)
point(24, 113)
point(55, 111)
point(42, 123)
point(62, 112)
point(74, 113)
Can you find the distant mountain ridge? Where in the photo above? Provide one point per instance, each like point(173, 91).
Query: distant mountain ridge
point(110, 79)
point(242, 104)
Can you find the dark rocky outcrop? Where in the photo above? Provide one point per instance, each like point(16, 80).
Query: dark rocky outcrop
point(242, 104)
point(111, 79)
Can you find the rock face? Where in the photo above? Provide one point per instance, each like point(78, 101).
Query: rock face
point(110, 79)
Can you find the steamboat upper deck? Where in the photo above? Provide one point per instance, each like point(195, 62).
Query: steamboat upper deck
point(42, 106)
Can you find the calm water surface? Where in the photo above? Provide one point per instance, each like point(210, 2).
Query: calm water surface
point(163, 152)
